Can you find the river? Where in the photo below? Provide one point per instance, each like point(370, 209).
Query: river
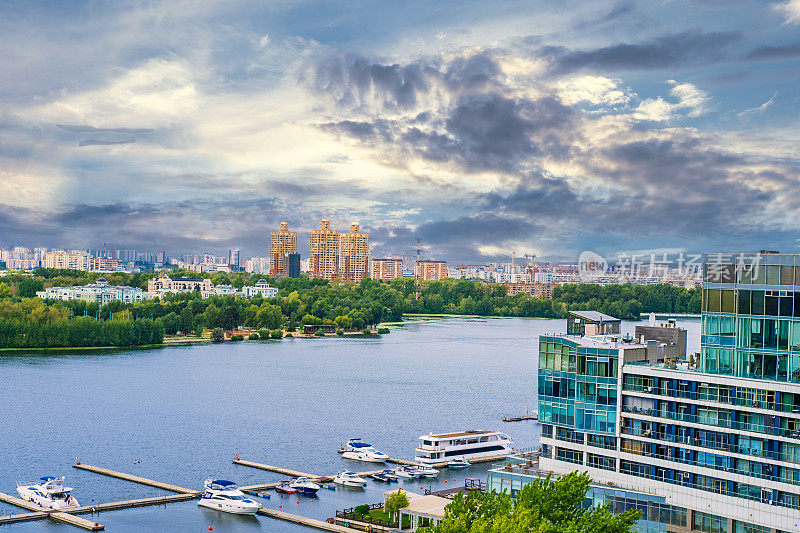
point(180, 414)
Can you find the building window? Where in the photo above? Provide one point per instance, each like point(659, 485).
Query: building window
point(601, 461)
point(709, 523)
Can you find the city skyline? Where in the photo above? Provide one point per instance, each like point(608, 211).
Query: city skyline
point(480, 128)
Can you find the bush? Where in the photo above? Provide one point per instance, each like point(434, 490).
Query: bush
point(263, 333)
point(253, 337)
point(291, 328)
point(361, 510)
point(276, 334)
point(366, 331)
point(383, 331)
point(237, 337)
point(340, 332)
point(288, 335)
point(319, 333)
point(217, 335)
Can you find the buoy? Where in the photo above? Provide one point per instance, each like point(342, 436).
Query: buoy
point(454, 479)
point(421, 487)
point(445, 481)
point(280, 507)
point(298, 502)
point(211, 528)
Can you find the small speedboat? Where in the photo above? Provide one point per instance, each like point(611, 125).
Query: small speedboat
point(354, 445)
point(387, 476)
point(286, 488)
point(407, 472)
point(427, 471)
point(349, 479)
point(49, 493)
point(303, 485)
point(224, 495)
point(458, 463)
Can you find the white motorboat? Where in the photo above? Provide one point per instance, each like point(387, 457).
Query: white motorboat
point(303, 485)
point(49, 493)
point(368, 455)
point(349, 479)
point(427, 471)
point(407, 472)
point(224, 495)
point(354, 445)
point(443, 447)
point(458, 463)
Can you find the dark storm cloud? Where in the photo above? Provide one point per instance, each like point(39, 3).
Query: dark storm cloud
point(774, 53)
point(80, 128)
point(688, 48)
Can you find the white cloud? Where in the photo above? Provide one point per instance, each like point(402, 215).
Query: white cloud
point(264, 41)
point(596, 90)
point(758, 109)
point(690, 97)
point(655, 109)
point(790, 11)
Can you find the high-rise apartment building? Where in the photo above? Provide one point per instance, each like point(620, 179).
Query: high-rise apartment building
point(354, 254)
point(386, 268)
point(233, 259)
point(324, 252)
point(75, 259)
point(281, 243)
point(429, 270)
point(712, 445)
point(293, 265)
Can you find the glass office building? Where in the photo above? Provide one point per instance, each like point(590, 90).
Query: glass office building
point(714, 439)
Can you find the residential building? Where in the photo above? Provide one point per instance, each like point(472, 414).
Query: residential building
point(668, 333)
point(712, 446)
point(100, 292)
point(354, 255)
point(537, 290)
point(429, 270)
point(220, 290)
point(105, 264)
point(324, 252)
point(257, 265)
point(281, 243)
point(233, 259)
point(75, 259)
point(261, 287)
point(293, 265)
point(386, 269)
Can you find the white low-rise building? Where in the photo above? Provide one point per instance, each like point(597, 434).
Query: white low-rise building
point(100, 292)
point(261, 287)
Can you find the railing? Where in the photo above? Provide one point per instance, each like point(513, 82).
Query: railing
point(721, 423)
point(715, 398)
point(349, 514)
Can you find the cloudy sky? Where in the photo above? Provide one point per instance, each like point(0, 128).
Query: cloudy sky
point(546, 127)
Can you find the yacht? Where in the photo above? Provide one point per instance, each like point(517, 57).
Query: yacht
point(443, 447)
point(349, 479)
point(354, 445)
point(407, 472)
point(224, 495)
point(49, 493)
point(387, 476)
point(303, 485)
point(368, 455)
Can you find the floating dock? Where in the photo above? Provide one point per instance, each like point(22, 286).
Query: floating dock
point(520, 418)
point(302, 520)
point(136, 479)
point(284, 471)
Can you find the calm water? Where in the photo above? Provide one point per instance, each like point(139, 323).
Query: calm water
point(184, 412)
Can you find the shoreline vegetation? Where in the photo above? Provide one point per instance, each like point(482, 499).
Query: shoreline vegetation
point(344, 308)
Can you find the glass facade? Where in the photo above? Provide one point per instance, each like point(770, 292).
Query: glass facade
point(751, 316)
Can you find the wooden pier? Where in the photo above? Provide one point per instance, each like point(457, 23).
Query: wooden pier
point(136, 479)
point(302, 520)
point(284, 471)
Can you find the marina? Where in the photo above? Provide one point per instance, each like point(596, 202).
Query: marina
point(133, 430)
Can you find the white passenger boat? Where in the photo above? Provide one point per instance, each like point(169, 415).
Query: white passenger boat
point(458, 463)
point(303, 485)
point(349, 479)
point(49, 493)
point(443, 447)
point(224, 495)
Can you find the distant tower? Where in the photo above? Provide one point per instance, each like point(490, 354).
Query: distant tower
point(513, 262)
point(282, 243)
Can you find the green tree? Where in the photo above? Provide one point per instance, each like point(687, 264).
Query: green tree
point(217, 335)
point(544, 506)
point(5, 290)
point(395, 502)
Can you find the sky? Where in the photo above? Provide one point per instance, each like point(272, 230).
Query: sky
point(481, 128)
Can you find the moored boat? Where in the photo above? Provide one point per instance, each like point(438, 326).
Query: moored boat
point(224, 495)
point(458, 463)
point(303, 485)
point(466, 445)
point(349, 479)
point(49, 493)
point(407, 472)
point(387, 476)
